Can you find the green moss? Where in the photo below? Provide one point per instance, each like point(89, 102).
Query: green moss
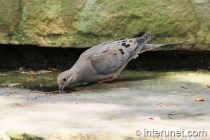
point(23, 136)
point(124, 18)
point(9, 17)
point(86, 23)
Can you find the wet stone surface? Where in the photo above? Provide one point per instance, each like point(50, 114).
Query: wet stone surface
point(137, 100)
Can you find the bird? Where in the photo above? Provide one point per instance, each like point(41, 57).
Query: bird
point(102, 63)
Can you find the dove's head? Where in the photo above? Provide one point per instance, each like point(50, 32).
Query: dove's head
point(65, 78)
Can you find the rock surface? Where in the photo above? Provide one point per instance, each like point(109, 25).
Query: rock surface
point(85, 23)
point(137, 100)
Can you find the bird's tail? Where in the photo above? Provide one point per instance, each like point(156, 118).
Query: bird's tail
point(148, 47)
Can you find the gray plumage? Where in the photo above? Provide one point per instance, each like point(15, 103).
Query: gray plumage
point(105, 60)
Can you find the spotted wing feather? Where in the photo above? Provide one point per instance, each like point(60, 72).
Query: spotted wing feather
point(112, 56)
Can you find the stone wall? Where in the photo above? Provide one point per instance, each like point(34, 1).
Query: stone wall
point(85, 23)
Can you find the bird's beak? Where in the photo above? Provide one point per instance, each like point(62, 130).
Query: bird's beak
point(61, 88)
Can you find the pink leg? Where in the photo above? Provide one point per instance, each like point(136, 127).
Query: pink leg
point(107, 80)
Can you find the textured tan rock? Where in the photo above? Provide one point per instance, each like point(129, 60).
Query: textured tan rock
point(85, 23)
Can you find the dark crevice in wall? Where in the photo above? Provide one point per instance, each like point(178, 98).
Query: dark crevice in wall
point(28, 56)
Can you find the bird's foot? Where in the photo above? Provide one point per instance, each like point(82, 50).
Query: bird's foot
point(107, 80)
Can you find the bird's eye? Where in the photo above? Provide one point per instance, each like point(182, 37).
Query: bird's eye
point(64, 79)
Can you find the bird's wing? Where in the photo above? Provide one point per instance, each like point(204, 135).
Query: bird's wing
point(111, 56)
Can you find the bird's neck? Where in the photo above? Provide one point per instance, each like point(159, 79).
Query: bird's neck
point(75, 73)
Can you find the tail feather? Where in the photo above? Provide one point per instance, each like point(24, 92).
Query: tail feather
point(148, 47)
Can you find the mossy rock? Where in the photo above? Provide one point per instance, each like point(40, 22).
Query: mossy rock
point(85, 23)
point(23, 136)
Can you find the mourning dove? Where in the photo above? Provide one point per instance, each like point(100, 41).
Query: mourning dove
point(104, 62)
